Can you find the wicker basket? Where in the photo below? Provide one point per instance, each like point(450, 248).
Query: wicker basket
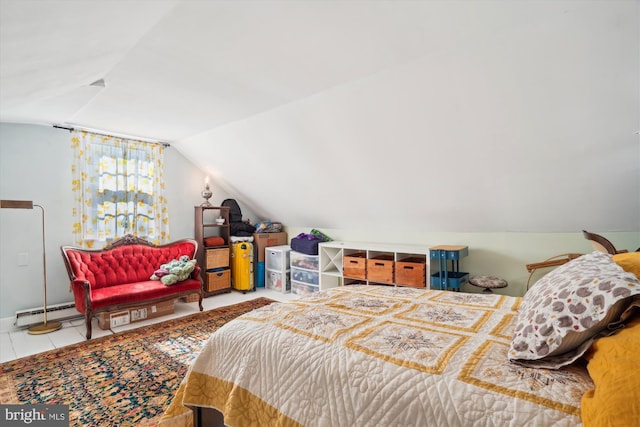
point(191, 298)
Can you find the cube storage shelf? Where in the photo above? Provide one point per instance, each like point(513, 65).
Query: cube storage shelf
point(277, 268)
point(214, 261)
point(305, 273)
point(448, 278)
point(347, 263)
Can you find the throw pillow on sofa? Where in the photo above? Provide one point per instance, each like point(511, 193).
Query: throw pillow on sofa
point(175, 270)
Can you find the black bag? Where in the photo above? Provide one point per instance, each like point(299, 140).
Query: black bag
point(236, 226)
point(241, 229)
point(306, 244)
point(235, 213)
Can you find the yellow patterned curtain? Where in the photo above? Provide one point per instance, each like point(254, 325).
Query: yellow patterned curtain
point(118, 189)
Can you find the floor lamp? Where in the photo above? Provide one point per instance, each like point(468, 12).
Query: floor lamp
point(45, 327)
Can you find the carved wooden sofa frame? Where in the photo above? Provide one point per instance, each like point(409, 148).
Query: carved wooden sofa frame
point(117, 277)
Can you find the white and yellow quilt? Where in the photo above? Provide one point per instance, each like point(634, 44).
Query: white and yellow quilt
point(377, 356)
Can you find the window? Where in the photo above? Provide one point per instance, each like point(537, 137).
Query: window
point(118, 190)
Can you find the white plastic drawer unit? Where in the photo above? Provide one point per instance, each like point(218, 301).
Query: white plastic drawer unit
point(308, 262)
point(305, 276)
point(278, 281)
point(277, 258)
point(299, 288)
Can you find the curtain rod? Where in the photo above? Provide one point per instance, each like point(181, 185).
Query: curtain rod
point(71, 129)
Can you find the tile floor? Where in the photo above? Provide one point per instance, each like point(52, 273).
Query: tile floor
point(17, 344)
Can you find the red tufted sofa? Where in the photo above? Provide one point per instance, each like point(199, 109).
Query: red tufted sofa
point(117, 277)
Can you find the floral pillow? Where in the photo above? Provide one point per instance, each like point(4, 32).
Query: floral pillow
point(564, 312)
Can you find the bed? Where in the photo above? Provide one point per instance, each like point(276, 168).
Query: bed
point(367, 355)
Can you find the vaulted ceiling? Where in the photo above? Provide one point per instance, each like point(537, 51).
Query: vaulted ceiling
point(173, 69)
point(352, 100)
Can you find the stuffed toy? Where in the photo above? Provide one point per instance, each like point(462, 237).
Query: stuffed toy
point(175, 270)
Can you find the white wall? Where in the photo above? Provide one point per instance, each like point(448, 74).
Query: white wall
point(35, 164)
point(523, 128)
point(502, 254)
point(510, 141)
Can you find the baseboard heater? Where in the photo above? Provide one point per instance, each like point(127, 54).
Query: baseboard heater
point(64, 311)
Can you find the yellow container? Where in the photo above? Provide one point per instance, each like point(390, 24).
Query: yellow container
point(242, 266)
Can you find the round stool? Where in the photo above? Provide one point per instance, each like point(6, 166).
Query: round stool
point(488, 283)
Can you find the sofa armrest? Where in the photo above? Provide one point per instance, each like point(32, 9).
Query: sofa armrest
point(83, 284)
point(195, 274)
point(81, 294)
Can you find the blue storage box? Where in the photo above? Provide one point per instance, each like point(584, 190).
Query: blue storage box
point(452, 280)
point(259, 279)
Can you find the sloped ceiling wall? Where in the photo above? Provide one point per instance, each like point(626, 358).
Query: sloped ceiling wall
point(415, 115)
point(528, 127)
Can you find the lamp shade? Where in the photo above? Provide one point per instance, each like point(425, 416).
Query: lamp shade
point(16, 204)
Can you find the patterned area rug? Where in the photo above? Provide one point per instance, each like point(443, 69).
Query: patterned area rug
point(123, 379)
